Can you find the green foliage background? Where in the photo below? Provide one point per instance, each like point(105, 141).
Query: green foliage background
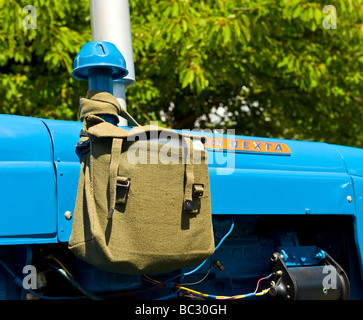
point(264, 67)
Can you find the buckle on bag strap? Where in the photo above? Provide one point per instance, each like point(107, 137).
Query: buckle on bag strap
point(198, 189)
point(123, 182)
point(197, 192)
point(122, 186)
point(192, 191)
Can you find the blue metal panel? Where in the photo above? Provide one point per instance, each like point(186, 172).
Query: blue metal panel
point(250, 191)
point(358, 199)
point(65, 136)
point(353, 158)
point(27, 182)
point(312, 179)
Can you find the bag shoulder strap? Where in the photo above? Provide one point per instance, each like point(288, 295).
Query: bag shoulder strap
point(94, 126)
point(189, 176)
point(101, 102)
point(114, 163)
point(97, 127)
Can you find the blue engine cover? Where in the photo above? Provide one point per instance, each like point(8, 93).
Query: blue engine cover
point(39, 172)
point(28, 189)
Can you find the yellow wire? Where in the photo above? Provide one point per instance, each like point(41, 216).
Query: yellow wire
point(263, 292)
point(60, 263)
point(147, 277)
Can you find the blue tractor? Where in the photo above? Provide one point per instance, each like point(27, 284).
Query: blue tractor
point(287, 215)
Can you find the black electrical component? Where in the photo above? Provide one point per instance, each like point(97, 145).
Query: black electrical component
point(326, 281)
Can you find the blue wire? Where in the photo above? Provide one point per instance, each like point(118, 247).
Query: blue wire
point(226, 235)
point(219, 244)
point(18, 281)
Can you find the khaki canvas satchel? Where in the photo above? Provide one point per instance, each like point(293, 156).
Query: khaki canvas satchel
point(142, 206)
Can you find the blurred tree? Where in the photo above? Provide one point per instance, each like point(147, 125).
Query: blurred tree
point(263, 67)
point(36, 64)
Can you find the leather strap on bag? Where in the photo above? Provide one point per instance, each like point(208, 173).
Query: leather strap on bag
point(189, 176)
point(101, 102)
point(192, 191)
point(114, 163)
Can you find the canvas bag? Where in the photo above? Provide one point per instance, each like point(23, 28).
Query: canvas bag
point(134, 217)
